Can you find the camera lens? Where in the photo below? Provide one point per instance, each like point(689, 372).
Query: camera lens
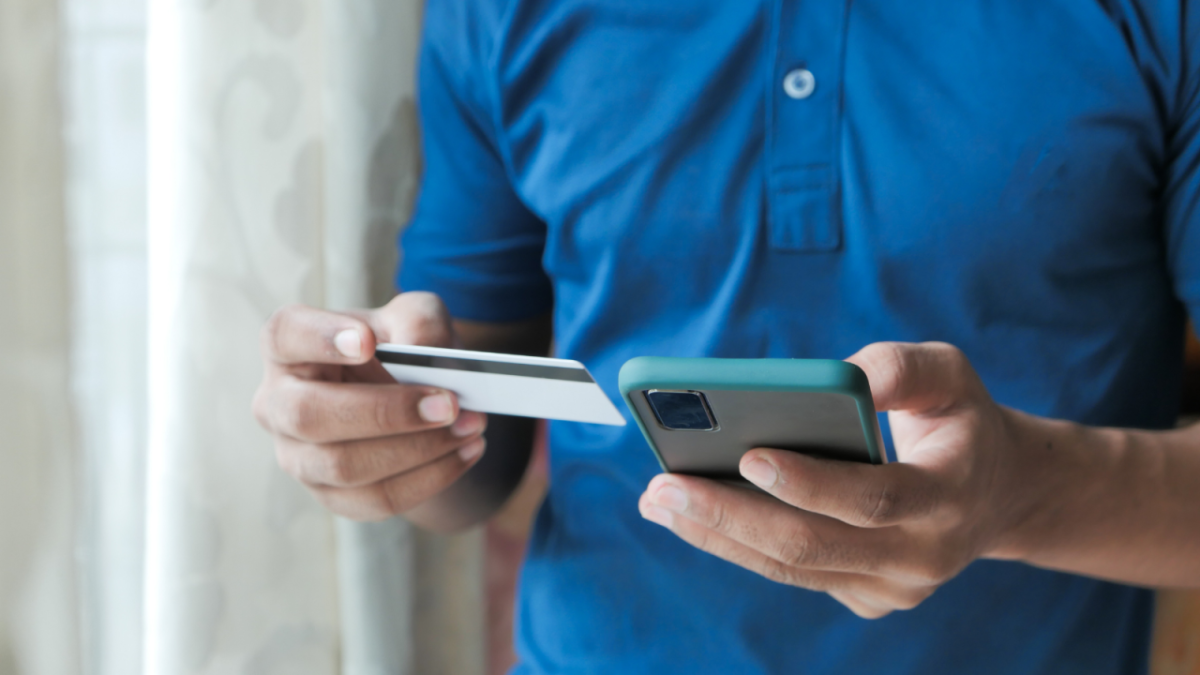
point(681, 410)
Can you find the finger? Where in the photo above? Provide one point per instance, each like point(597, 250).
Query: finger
point(868, 595)
point(790, 536)
point(298, 334)
point(862, 495)
point(414, 318)
point(401, 493)
point(859, 606)
point(877, 596)
point(357, 463)
point(928, 378)
point(324, 412)
point(737, 553)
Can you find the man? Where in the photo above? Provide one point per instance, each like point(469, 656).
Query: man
point(784, 178)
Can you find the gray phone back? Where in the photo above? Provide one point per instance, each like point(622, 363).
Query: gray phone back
point(816, 423)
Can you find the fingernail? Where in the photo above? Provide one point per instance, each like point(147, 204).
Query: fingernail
point(436, 408)
point(671, 498)
point(349, 343)
point(761, 472)
point(471, 450)
point(468, 423)
point(661, 516)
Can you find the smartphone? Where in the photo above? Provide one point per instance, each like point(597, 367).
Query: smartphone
point(700, 416)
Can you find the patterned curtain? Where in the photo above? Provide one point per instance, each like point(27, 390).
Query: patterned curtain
point(283, 161)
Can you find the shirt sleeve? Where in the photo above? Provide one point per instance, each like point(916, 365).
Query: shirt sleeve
point(1181, 196)
point(471, 239)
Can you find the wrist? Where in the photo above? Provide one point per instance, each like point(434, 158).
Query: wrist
point(1054, 473)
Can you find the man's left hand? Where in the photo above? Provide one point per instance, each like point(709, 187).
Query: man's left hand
point(876, 538)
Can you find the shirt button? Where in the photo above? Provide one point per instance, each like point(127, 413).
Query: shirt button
point(799, 83)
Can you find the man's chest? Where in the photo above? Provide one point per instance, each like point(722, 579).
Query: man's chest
point(816, 127)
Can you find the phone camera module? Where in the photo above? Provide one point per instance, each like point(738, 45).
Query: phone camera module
point(681, 410)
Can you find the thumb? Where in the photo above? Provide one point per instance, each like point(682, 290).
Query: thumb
point(925, 378)
point(414, 318)
point(297, 334)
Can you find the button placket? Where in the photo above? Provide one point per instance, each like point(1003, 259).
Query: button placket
point(803, 125)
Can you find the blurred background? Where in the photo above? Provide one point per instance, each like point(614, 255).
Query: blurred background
point(170, 173)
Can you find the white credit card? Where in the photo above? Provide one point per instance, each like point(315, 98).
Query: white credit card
point(505, 384)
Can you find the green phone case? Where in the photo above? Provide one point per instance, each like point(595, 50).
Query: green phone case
point(815, 406)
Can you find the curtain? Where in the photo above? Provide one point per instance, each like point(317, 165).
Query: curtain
point(103, 84)
point(283, 160)
point(39, 633)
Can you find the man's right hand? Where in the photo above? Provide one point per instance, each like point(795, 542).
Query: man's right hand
point(366, 447)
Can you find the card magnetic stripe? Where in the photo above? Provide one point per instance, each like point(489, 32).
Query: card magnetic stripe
point(492, 367)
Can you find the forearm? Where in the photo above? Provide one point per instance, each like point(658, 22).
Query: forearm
point(1117, 504)
point(480, 492)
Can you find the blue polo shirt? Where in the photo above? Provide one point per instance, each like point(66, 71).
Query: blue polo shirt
point(782, 178)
